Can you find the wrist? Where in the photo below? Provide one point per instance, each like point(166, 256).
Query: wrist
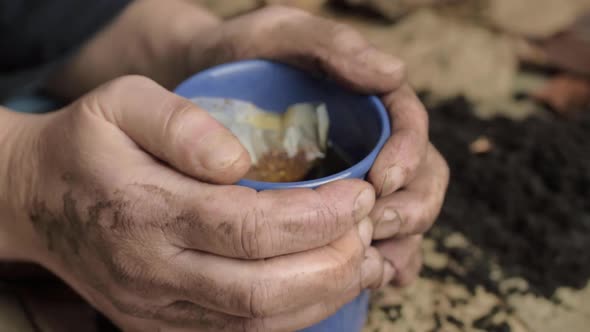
point(19, 143)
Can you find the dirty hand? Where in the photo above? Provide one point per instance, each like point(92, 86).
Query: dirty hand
point(410, 176)
point(127, 198)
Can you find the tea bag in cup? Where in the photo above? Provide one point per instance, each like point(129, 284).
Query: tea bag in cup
point(284, 146)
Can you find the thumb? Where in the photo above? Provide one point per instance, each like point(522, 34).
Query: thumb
point(173, 129)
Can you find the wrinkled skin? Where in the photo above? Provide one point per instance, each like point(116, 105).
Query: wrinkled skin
point(126, 193)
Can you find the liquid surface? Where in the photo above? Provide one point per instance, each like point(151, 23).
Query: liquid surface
point(335, 161)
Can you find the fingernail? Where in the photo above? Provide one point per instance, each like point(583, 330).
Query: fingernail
point(389, 224)
point(363, 204)
point(392, 180)
point(388, 274)
point(365, 228)
point(222, 150)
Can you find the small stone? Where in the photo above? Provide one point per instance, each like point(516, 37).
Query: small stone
point(481, 145)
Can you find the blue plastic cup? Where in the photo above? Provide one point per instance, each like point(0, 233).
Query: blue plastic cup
point(359, 126)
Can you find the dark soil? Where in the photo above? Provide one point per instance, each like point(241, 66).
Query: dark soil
point(526, 202)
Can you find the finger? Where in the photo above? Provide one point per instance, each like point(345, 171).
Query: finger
point(125, 322)
point(316, 44)
point(181, 315)
point(310, 315)
point(405, 255)
point(271, 286)
point(343, 54)
point(371, 274)
point(414, 209)
point(235, 221)
point(176, 320)
point(402, 154)
point(180, 280)
point(305, 317)
point(172, 318)
point(171, 129)
point(375, 269)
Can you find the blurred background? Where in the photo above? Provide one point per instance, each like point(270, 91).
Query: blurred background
point(507, 85)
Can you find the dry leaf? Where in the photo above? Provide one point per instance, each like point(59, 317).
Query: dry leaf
point(565, 94)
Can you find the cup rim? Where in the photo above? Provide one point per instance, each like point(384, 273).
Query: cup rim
point(363, 165)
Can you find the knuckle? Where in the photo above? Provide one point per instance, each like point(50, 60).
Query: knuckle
point(184, 312)
point(98, 101)
point(418, 132)
point(344, 41)
point(276, 16)
point(402, 71)
point(424, 217)
point(175, 115)
point(406, 142)
point(412, 221)
point(432, 212)
point(442, 177)
point(89, 109)
point(416, 242)
point(343, 268)
point(127, 83)
point(328, 220)
point(421, 116)
point(412, 271)
point(133, 271)
point(323, 221)
point(346, 38)
point(426, 223)
point(122, 268)
point(131, 307)
point(252, 299)
point(340, 262)
point(250, 235)
point(176, 110)
point(411, 168)
point(259, 299)
point(91, 106)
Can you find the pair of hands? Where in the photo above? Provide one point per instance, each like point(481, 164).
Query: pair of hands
point(127, 192)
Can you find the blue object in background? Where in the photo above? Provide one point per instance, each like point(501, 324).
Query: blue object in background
point(31, 104)
point(359, 126)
